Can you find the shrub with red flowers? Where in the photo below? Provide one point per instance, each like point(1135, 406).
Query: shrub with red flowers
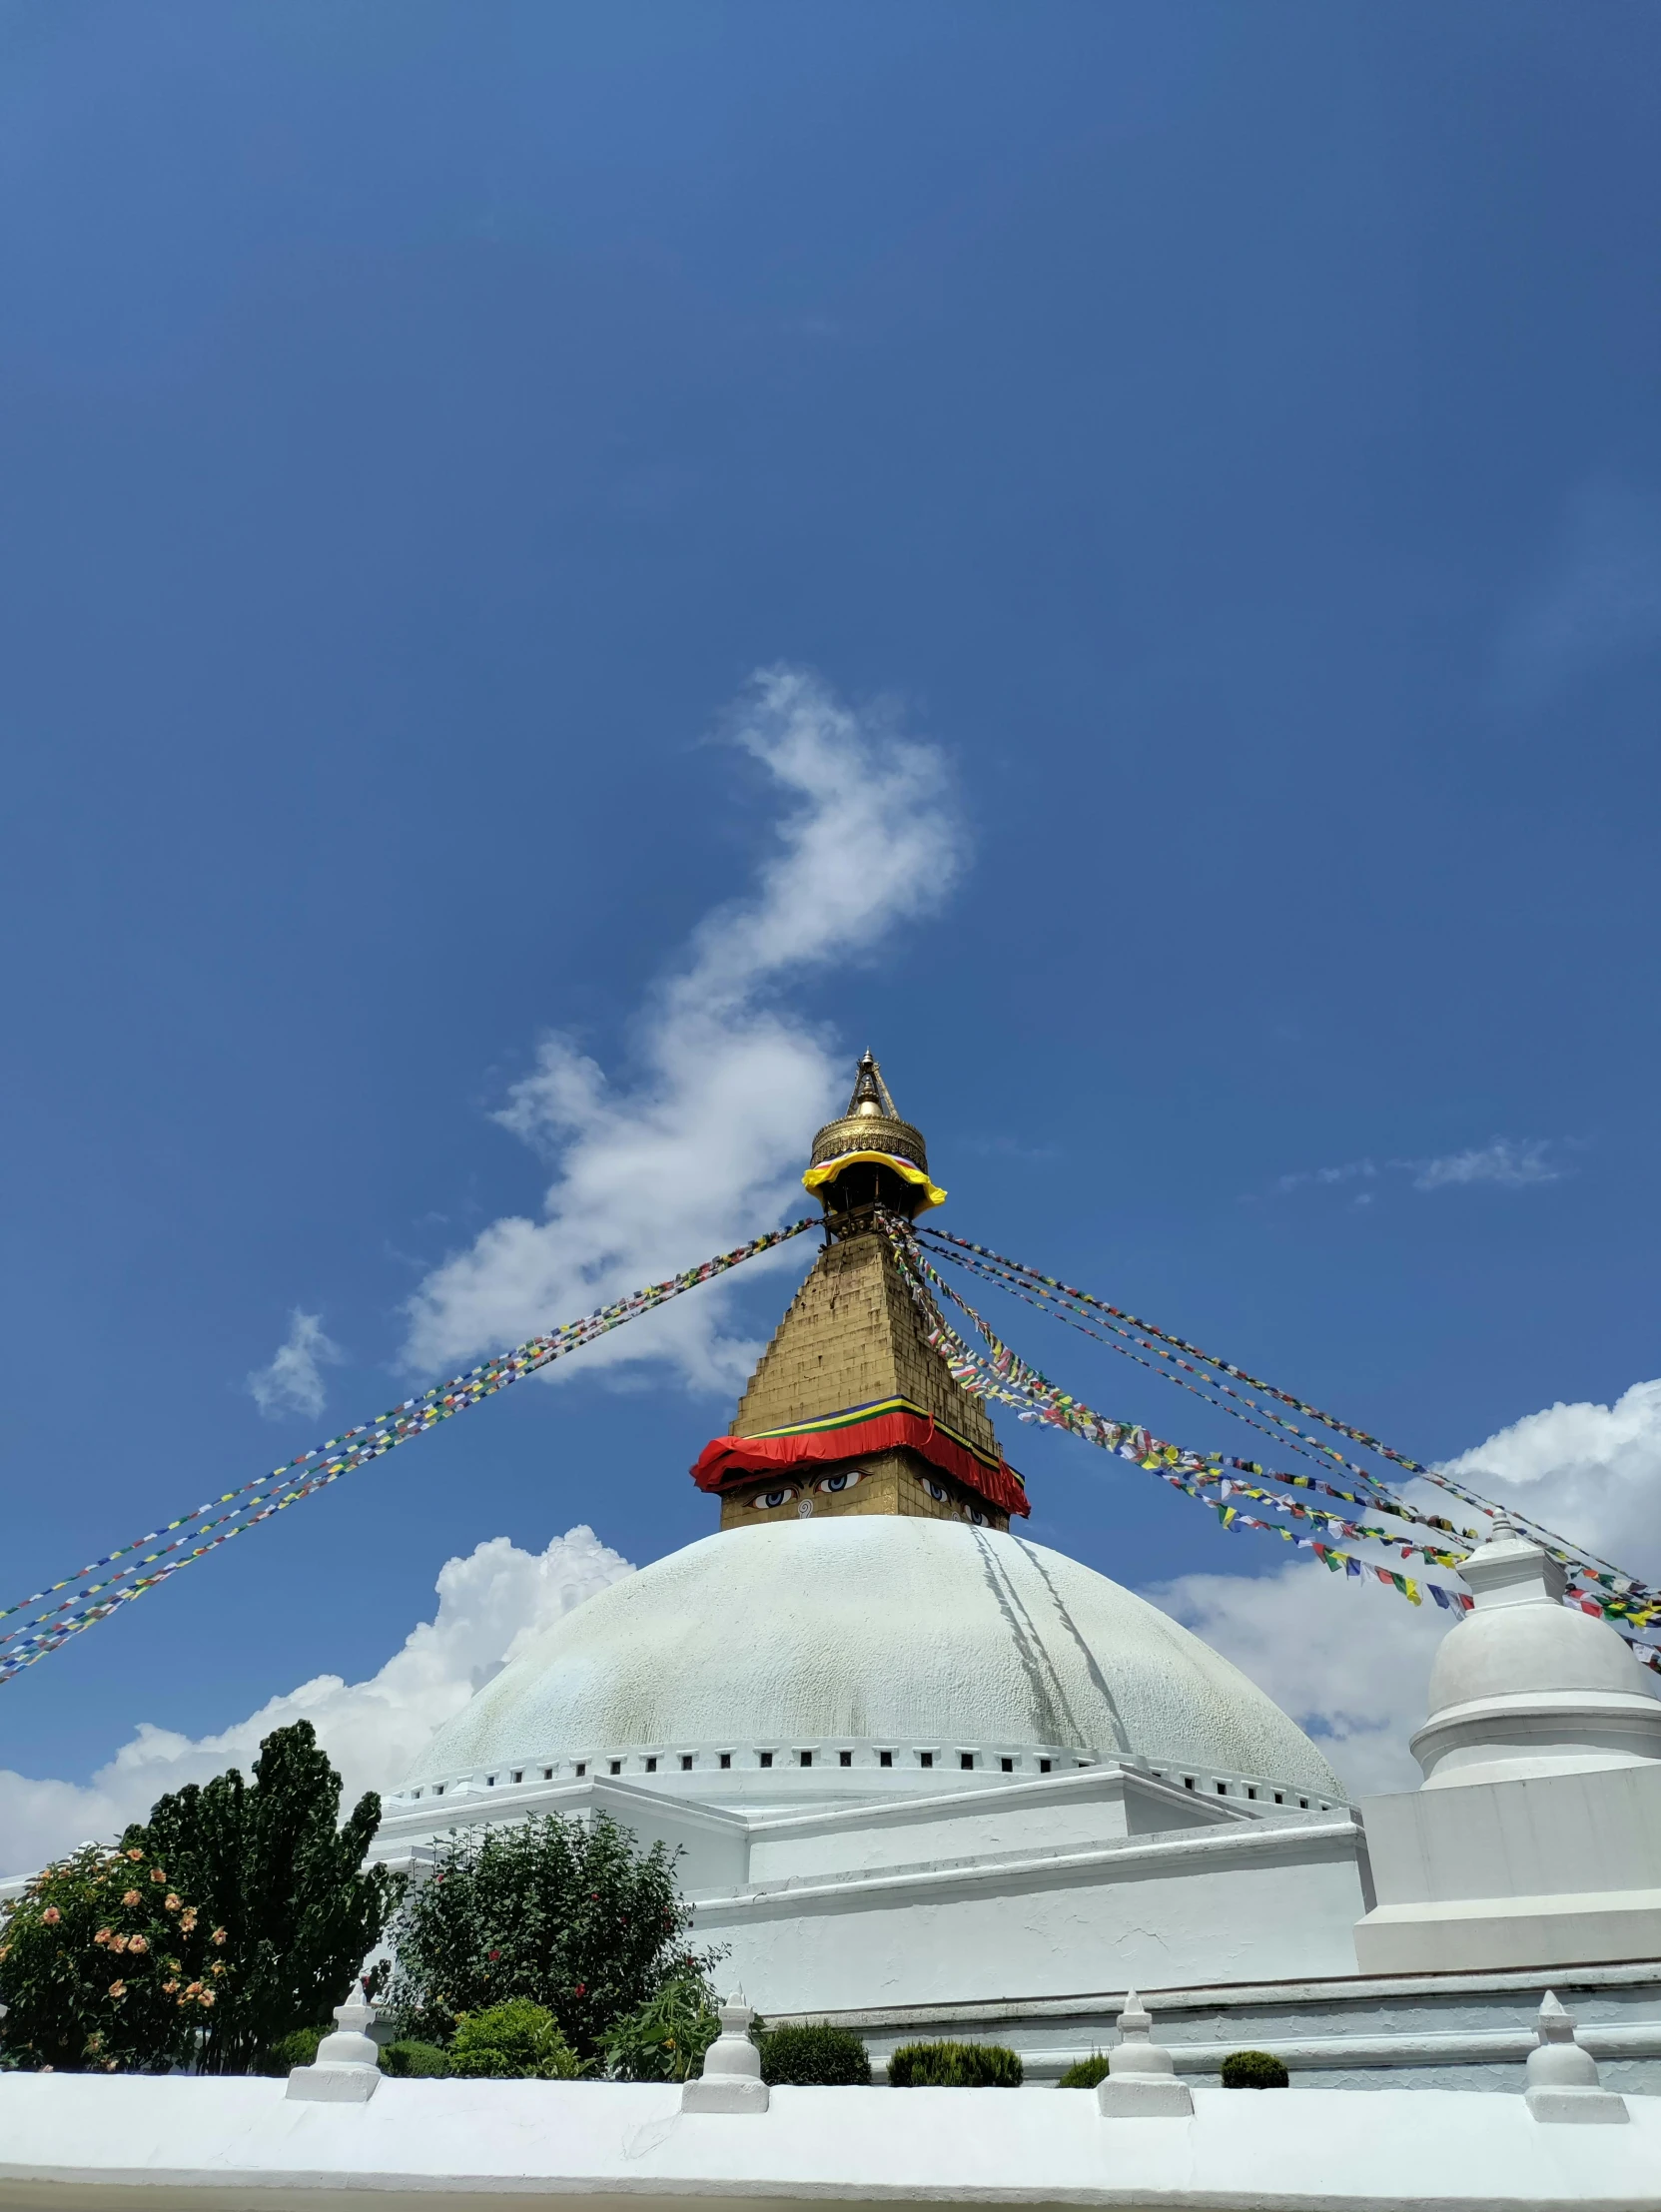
point(105, 1967)
point(572, 1916)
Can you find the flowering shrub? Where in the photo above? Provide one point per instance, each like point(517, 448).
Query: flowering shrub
point(573, 1917)
point(104, 1967)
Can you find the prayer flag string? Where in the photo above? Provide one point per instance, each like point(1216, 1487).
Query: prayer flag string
point(1640, 1601)
point(1007, 1377)
point(46, 1631)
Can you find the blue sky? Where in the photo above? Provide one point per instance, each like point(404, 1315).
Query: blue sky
point(1202, 470)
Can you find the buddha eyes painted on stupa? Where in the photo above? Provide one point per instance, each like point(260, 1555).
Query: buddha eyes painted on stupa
point(843, 1481)
point(770, 1498)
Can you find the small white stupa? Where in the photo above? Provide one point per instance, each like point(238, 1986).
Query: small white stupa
point(1536, 1837)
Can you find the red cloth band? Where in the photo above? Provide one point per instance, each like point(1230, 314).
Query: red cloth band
point(726, 1456)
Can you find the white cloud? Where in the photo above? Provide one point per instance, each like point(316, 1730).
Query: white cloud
point(705, 1149)
point(1599, 603)
point(1511, 1162)
point(490, 1604)
point(1591, 1472)
point(1349, 1661)
point(293, 1383)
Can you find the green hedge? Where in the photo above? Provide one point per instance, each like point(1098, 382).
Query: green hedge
point(297, 2049)
point(411, 2059)
point(816, 2054)
point(516, 2041)
point(954, 2066)
point(1084, 2073)
point(1253, 2069)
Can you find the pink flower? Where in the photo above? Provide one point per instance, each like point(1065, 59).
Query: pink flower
point(118, 1988)
point(131, 1896)
point(135, 1855)
point(51, 1916)
point(137, 1944)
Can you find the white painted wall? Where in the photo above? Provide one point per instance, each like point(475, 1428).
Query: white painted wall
point(1253, 1902)
point(87, 2140)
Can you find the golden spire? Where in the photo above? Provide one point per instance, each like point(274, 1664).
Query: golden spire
point(869, 1157)
point(851, 1408)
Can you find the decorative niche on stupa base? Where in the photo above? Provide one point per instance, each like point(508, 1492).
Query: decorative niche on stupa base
point(895, 1482)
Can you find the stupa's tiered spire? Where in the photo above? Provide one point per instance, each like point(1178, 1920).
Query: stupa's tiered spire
point(851, 1409)
point(868, 1157)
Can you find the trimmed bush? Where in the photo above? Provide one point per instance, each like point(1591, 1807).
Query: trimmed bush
point(954, 2066)
point(1253, 2069)
point(516, 2041)
point(408, 2060)
point(816, 2054)
point(297, 2049)
point(1084, 2073)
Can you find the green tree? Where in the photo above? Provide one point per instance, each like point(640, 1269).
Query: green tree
point(268, 1866)
point(107, 1966)
point(570, 1915)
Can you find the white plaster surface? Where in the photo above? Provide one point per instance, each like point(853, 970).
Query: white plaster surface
point(1559, 1870)
point(1256, 1901)
point(82, 2141)
point(866, 1632)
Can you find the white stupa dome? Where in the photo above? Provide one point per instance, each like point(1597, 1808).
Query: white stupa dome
point(812, 1658)
point(1522, 1688)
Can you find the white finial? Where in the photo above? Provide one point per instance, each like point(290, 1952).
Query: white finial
point(1142, 2081)
point(731, 2078)
point(1562, 2081)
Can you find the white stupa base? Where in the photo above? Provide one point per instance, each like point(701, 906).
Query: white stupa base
point(1591, 2107)
point(724, 2097)
point(1148, 2097)
point(333, 2084)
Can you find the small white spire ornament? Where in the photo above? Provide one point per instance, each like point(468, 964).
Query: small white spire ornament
point(732, 2079)
point(347, 2070)
point(1562, 2079)
point(1141, 2080)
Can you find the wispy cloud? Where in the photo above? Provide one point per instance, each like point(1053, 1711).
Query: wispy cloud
point(492, 1604)
point(1350, 1171)
point(1597, 601)
point(293, 1383)
point(1511, 1162)
point(704, 1148)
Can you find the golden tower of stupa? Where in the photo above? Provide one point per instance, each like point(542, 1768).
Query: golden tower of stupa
point(851, 1409)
